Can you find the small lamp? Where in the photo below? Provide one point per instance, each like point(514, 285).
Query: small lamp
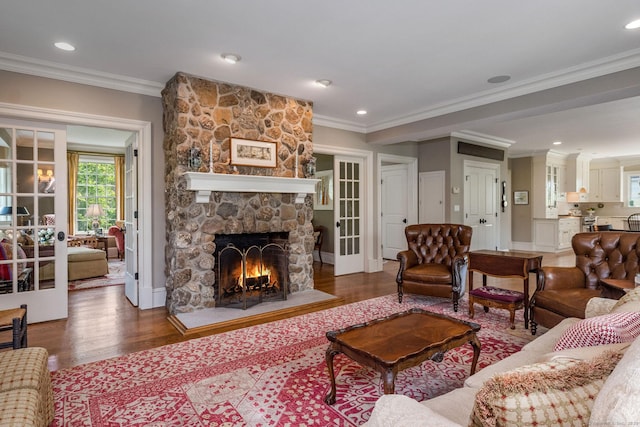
point(95, 211)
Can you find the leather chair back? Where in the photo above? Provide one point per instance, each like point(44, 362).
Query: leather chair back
point(438, 243)
point(606, 255)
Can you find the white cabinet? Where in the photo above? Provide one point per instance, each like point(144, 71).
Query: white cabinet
point(616, 222)
point(605, 184)
point(548, 184)
point(551, 235)
point(578, 174)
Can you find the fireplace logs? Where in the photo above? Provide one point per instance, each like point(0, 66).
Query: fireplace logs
point(252, 273)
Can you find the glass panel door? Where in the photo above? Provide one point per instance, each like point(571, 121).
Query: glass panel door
point(349, 256)
point(33, 268)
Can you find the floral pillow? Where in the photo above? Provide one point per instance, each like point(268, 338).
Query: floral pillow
point(607, 329)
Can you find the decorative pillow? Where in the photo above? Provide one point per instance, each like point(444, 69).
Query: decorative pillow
point(5, 269)
point(559, 393)
point(607, 329)
point(633, 296)
point(618, 403)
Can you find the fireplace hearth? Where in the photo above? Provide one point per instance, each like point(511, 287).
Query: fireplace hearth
point(251, 269)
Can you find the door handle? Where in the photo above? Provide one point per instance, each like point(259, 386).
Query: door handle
point(338, 224)
point(61, 236)
point(404, 220)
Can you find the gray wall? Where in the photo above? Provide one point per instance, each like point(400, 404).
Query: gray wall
point(521, 170)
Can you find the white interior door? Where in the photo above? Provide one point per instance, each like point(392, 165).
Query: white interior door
point(33, 183)
point(131, 220)
point(432, 197)
point(348, 214)
point(395, 209)
point(481, 203)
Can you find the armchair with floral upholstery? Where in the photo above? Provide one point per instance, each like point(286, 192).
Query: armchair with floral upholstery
point(118, 232)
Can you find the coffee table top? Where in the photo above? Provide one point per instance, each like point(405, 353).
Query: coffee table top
point(404, 335)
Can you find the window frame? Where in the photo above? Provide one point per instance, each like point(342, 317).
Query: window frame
point(628, 176)
point(108, 202)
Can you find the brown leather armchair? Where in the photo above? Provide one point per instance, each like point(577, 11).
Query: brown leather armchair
point(435, 263)
point(565, 291)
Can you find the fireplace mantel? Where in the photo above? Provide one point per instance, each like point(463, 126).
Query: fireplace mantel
point(204, 183)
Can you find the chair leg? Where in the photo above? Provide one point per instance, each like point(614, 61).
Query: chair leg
point(320, 256)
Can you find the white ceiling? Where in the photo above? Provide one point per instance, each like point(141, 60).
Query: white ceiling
point(419, 67)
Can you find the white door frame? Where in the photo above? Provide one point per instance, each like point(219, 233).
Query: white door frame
point(149, 297)
point(412, 187)
point(372, 257)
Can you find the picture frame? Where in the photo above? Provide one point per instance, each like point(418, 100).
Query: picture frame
point(323, 199)
point(245, 152)
point(520, 197)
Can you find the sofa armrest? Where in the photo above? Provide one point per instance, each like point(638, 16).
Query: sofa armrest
point(598, 306)
point(407, 260)
point(560, 278)
point(398, 410)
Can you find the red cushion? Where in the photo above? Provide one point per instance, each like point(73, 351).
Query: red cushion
point(5, 269)
point(608, 329)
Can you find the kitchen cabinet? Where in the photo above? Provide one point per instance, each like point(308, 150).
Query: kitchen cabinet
point(548, 184)
point(552, 235)
point(605, 184)
point(616, 222)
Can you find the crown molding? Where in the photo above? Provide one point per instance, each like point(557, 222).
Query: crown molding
point(321, 120)
point(484, 138)
point(601, 67)
point(53, 70)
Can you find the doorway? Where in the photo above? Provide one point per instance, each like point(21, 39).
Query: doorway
point(147, 296)
point(481, 203)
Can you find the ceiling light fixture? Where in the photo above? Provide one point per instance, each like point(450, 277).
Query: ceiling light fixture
point(231, 58)
point(323, 82)
point(65, 46)
point(557, 142)
point(361, 112)
point(633, 25)
point(499, 79)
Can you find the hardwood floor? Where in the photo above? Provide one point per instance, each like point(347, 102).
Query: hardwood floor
point(102, 323)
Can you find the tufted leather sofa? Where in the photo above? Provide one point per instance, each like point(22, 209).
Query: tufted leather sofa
point(564, 291)
point(435, 262)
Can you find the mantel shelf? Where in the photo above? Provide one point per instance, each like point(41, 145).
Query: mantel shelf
point(204, 183)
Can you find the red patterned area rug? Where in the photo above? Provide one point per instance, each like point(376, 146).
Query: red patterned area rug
point(272, 374)
point(115, 277)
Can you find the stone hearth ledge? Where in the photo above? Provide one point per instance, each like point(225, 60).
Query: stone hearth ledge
point(204, 183)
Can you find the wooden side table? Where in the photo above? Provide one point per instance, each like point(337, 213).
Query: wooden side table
point(104, 241)
point(615, 288)
point(505, 264)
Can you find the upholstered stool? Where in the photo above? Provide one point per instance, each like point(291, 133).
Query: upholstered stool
point(15, 320)
point(489, 296)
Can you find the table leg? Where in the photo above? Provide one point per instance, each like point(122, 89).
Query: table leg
point(526, 301)
point(389, 380)
point(330, 399)
point(475, 343)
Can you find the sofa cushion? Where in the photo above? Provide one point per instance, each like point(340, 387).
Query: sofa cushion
point(618, 402)
point(432, 273)
point(398, 410)
point(516, 360)
point(553, 393)
point(547, 341)
point(606, 329)
point(455, 405)
point(584, 353)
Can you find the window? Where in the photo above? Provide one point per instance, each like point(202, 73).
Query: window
point(96, 185)
point(632, 193)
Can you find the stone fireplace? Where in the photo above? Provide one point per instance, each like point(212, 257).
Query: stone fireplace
point(211, 197)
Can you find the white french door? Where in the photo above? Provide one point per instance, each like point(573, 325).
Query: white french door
point(348, 214)
point(33, 183)
point(130, 220)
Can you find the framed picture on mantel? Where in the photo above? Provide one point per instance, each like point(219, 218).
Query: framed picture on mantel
point(245, 152)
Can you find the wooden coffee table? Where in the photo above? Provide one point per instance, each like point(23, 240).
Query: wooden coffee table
point(400, 341)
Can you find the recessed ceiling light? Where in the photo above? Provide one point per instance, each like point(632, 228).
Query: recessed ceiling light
point(231, 58)
point(361, 112)
point(557, 142)
point(65, 46)
point(323, 82)
point(498, 79)
point(633, 25)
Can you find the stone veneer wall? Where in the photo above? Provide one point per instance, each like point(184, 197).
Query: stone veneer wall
point(205, 114)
